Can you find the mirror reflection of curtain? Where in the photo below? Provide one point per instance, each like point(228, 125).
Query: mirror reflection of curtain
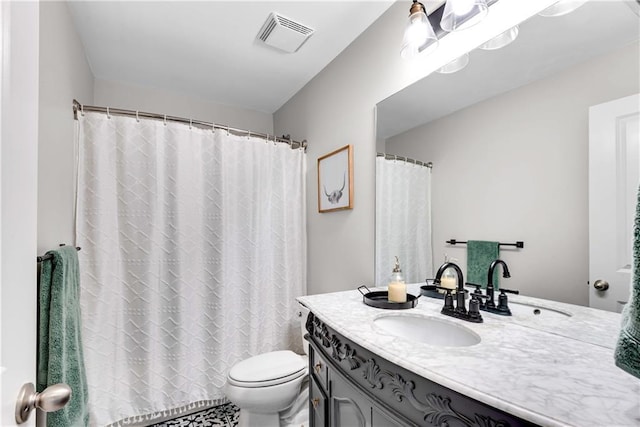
point(403, 220)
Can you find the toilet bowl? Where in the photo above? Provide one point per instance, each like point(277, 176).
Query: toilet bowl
point(263, 386)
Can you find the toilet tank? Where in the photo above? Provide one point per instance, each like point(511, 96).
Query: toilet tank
point(303, 312)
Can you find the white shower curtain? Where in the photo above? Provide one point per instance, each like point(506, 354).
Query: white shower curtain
point(193, 251)
point(403, 220)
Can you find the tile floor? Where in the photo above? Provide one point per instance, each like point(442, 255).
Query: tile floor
point(220, 416)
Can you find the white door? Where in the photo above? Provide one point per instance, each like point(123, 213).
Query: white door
point(614, 175)
point(18, 199)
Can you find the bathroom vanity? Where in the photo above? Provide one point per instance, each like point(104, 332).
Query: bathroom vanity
point(549, 364)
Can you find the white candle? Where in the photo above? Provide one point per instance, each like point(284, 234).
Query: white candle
point(449, 282)
point(397, 292)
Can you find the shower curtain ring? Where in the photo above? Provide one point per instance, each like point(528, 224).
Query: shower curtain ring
point(266, 141)
point(108, 115)
point(137, 117)
point(248, 134)
point(165, 119)
point(82, 110)
point(213, 127)
point(227, 130)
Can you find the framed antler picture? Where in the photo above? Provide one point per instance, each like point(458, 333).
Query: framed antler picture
point(335, 180)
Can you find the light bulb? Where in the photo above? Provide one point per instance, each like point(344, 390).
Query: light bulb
point(562, 8)
point(456, 65)
point(461, 14)
point(419, 36)
point(501, 40)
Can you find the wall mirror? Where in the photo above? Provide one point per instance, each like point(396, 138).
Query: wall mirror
point(509, 140)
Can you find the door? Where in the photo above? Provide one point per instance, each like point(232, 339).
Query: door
point(614, 175)
point(18, 199)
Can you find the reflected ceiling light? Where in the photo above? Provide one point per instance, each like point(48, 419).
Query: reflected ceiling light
point(419, 36)
point(461, 14)
point(456, 65)
point(562, 7)
point(501, 40)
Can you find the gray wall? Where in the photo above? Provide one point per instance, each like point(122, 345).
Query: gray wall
point(335, 109)
point(64, 75)
point(515, 167)
point(120, 95)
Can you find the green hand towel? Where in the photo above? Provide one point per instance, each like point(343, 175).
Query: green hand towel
point(627, 354)
point(60, 358)
point(480, 255)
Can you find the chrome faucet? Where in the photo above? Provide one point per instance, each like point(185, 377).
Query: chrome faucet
point(460, 310)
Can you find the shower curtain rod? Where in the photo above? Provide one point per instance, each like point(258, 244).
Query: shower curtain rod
point(286, 139)
point(405, 159)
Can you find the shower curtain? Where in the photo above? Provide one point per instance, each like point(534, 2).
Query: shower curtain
point(193, 251)
point(403, 220)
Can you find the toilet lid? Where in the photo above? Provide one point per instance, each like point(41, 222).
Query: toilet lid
point(267, 369)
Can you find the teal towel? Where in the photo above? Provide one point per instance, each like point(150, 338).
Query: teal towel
point(60, 358)
point(627, 354)
point(480, 255)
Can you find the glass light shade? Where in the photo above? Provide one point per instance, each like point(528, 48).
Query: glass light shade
point(501, 40)
point(418, 36)
point(461, 14)
point(456, 65)
point(562, 8)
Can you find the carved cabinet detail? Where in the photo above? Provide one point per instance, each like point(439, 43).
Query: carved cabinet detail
point(362, 389)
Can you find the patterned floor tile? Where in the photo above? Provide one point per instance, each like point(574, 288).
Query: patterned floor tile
point(220, 416)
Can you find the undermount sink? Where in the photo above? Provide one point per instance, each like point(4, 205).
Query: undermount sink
point(536, 312)
point(427, 330)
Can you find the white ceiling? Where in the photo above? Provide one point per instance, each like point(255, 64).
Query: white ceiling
point(544, 47)
point(209, 49)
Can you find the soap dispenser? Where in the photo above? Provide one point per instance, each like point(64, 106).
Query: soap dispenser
point(397, 287)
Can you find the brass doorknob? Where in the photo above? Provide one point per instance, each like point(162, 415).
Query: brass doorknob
point(315, 402)
point(51, 399)
point(318, 367)
point(601, 285)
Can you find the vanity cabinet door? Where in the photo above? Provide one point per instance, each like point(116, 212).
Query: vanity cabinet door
point(380, 419)
point(318, 410)
point(318, 366)
point(349, 408)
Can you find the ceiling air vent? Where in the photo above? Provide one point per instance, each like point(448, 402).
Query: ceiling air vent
point(283, 33)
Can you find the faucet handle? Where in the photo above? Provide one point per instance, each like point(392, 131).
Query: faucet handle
point(510, 291)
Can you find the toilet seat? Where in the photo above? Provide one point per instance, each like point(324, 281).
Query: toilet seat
point(268, 369)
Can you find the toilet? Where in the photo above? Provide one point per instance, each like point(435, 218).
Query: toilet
point(266, 385)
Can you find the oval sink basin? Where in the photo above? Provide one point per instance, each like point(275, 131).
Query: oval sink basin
point(536, 312)
point(427, 330)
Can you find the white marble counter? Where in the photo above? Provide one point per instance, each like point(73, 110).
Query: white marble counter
point(558, 373)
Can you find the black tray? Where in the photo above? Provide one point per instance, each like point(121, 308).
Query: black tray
point(432, 292)
point(380, 299)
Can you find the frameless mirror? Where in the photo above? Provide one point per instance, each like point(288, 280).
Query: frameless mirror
point(509, 140)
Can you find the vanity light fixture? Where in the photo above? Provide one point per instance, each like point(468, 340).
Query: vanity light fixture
point(456, 65)
point(562, 7)
point(419, 36)
point(461, 14)
point(501, 40)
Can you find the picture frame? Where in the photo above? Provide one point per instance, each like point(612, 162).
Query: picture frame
point(335, 180)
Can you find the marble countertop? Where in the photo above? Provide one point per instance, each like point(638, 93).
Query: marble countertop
point(553, 372)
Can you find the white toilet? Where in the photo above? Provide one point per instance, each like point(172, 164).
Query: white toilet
point(265, 385)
